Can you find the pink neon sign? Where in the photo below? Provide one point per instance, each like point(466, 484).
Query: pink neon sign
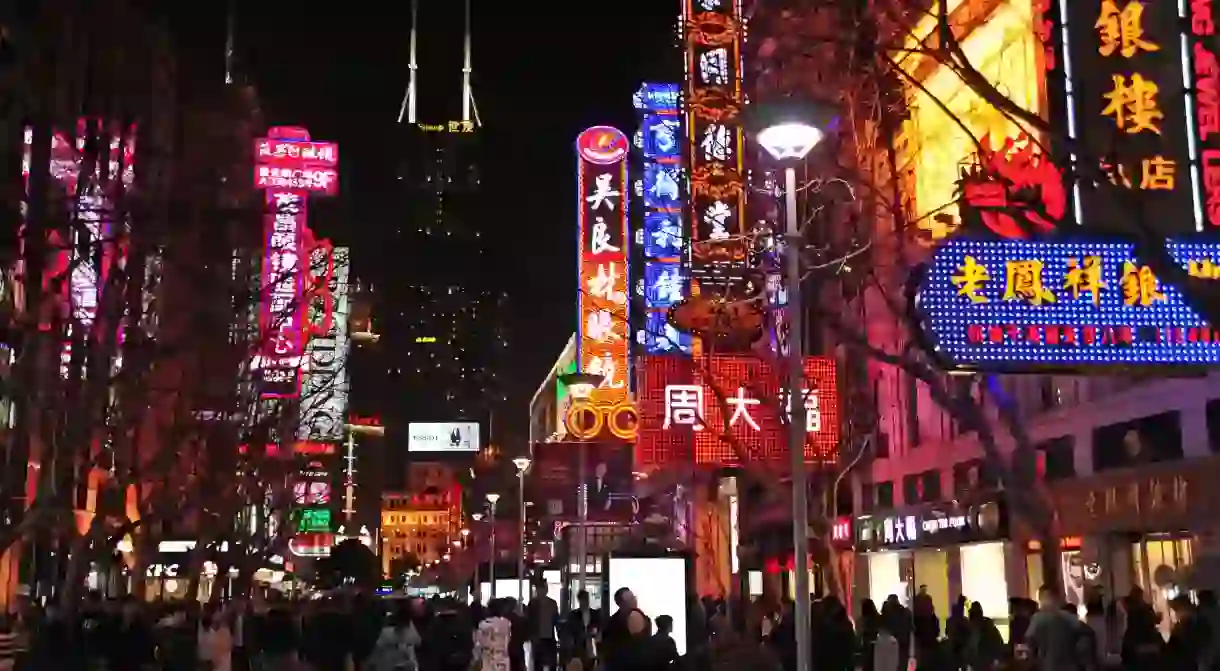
point(289, 167)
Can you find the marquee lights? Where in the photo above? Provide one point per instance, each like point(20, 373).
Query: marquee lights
point(686, 405)
point(1007, 304)
point(602, 332)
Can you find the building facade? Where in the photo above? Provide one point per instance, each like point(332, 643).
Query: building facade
point(423, 521)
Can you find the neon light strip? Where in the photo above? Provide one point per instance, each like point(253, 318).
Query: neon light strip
point(1192, 133)
point(1069, 95)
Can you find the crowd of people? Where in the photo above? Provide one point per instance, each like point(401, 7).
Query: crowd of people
point(360, 632)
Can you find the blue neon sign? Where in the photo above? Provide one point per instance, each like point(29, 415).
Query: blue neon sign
point(658, 97)
point(1010, 304)
point(660, 337)
point(662, 235)
point(661, 186)
point(661, 137)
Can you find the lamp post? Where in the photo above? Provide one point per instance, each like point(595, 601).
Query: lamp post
point(523, 465)
point(788, 136)
point(581, 386)
point(491, 565)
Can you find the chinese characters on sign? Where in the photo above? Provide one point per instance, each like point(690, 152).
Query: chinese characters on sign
point(1004, 304)
point(658, 186)
point(1125, 66)
point(713, 33)
point(686, 407)
point(285, 311)
point(602, 294)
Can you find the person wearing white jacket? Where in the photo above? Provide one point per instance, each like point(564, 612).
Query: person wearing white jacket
point(885, 651)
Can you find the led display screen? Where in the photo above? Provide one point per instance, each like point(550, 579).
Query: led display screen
point(660, 588)
point(443, 437)
point(1008, 304)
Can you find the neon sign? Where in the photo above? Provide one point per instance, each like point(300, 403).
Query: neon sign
point(288, 166)
point(1009, 304)
point(687, 405)
point(713, 34)
point(602, 332)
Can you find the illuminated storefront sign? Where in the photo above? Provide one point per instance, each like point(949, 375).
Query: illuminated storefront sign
point(450, 127)
point(310, 520)
point(586, 420)
point(1128, 64)
point(932, 525)
point(603, 258)
point(1008, 304)
point(1206, 71)
point(713, 35)
point(284, 326)
point(687, 405)
point(658, 187)
point(325, 383)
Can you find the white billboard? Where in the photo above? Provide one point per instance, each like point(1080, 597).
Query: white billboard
point(443, 437)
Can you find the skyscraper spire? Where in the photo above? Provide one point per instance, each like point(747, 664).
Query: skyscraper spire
point(229, 43)
point(408, 100)
point(467, 94)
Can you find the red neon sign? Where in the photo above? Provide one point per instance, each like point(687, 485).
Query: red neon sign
point(687, 405)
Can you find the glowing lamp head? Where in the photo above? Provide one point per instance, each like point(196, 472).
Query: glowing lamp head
point(466, 532)
point(790, 141)
point(478, 517)
point(492, 498)
point(522, 464)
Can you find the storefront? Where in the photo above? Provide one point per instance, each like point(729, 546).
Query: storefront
point(945, 550)
point(1141, 527)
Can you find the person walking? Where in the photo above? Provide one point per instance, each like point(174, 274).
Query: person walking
point(542, 622)
point(215, 642)
point(396, 645)
point(492, 639)
point(1052, 634)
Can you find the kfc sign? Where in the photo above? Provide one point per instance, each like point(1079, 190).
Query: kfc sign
point(686, 406)
point(602, 292)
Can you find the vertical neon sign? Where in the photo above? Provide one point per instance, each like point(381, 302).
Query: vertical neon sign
point(661, 239)
point(288, 167)
point(713, 31)
point(601, 205)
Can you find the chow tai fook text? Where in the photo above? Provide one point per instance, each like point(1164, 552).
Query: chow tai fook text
point(1007, 304)
point(602, 333)
point(687, 405)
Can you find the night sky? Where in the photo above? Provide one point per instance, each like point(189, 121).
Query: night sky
point(539, 78)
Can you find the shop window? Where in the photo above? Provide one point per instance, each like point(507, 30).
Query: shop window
point(1058, 459)
point(910, 489)
point(929, 486)
point(1139, 441)
point(1159, 565)
point(885, 495)
point(1213, 424)
point(967, 476)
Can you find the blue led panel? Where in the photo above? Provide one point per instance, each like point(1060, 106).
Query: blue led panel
point(664, 285)
point(1011, 304)
point(661, 137)
point(661, 190)
point(662, 235)
point(658, 97)
point(662, 338)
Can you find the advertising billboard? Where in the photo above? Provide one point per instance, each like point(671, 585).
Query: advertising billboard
point(602, 332)
point(443, 437)
point(607, 479)
point(661, 585)
point(687, 405)
point(1018, 305)
point(325, 387)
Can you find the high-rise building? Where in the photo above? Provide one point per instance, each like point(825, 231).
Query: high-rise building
point(439, 311)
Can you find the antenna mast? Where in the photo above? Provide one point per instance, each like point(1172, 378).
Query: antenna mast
point(408, 101)
point(467, 94)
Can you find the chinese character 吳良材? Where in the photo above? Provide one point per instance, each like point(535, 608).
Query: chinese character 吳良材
point(1024, 282)
point(1084, 276)
point(683, 406)
point(599, 242)
point(604, 192)
point(1158, 173)
point(1139, 285)
point(970, 278)
point(1133, 104)
point(1122, 30)
point(600, 326)
point(603, 284)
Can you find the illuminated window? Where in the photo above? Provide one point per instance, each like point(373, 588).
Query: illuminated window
point(934, 147)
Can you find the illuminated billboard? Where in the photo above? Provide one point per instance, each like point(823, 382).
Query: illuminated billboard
point(602, 331)
point(283, 323)
point(713, 32)
point(1013, 304)
point(658, 189)
point(687, 405)
point(443, 437)
point(324, 389)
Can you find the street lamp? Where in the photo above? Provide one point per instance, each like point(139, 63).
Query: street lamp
point(581, 386)
point(491, 565)
point(789, 130)
point(523, 465)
